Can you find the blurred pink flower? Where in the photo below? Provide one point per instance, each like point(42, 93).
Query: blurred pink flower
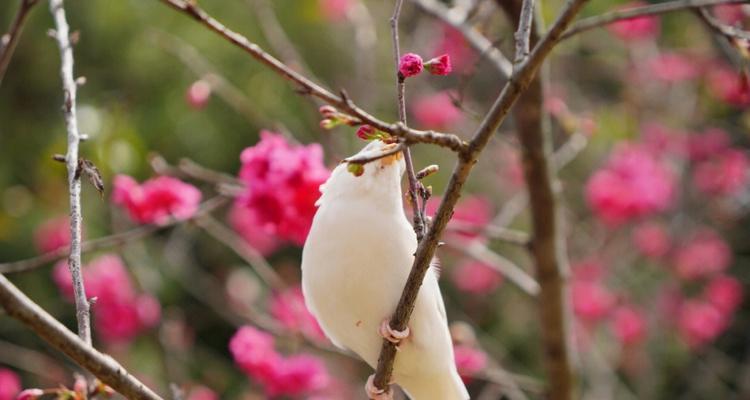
point(707, 144)
point(120, 313)
point(635, 29)
point(288, 307)
point(253, 351)
point(283, 183)
point(436, 111)
point(633, 184)
point(452, 42)
point(30, 394)
point(588, 270)
point(476, 277)
point(723, 175)
point(198, 94)
point(672, 67)
point(659, 139)
point(440, 65)
point(629, 325)
point(245, 222)
point(700, 323)
point(704, 254)
point(10, 384)
point(202, 393)
point(652, 239)
point(335, 10)
point(469, 361)
point(157, 199)
point(730, 14)
point(298, 375)
point(471, 214)
point(52, 234)
point(724, 292)
point(410, 64)
point(592, 301)
point(728, 85)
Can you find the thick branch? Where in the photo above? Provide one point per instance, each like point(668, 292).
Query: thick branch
point(520, 80)
point(62, 36)
point(104, 367)
point(9, 41)
point(307, 86)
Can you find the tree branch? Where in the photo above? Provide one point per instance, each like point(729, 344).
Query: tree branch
point(9, 41)
point(104, 367)
point(729, 32)
point(523, 32)
point(518, 82)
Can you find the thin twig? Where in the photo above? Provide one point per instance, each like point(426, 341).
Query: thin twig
point(598, 21)
point(523, 34)
point(307, 86)
point(104, 367)
point(729, 32)
point(370, 156)
point(62, 35)
point(516, 85)
point(32, 361)
point(9, 40)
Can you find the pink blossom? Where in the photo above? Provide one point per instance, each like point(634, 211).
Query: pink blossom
point(245, 222)
point(410, 65)
point(723, 175)
point(592, 301)
point(672, 67)
point(202, 393)
point(589, 270)
point(700, 323)
point(436, 111)
point(157, 199)
point(635, 29)
point(283, 182)
point(629, 325)
point(704, 254)
point(30, 394)
point(725, 293)
point(728, 85)
point(476, 277)
point(453, 43)
point(335, 10)
point(298, 375)
point(633, 184)
point(730, 14)
point(253, 351)
point(652, 239)
point(288, 307)
point(470, 216)
point(705, 145)
point(198, 94)
point(52, 234)
point(10, 384)
point(660, 139)
point(366, 132)
point(440, 65)
point(469, 360)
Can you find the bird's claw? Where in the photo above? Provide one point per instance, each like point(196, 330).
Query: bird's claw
point(377, 394)
point(391, 334)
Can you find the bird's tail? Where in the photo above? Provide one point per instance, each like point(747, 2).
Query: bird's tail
point(440, 387)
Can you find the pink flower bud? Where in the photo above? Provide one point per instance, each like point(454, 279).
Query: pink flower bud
point(329, 124)
point(198, 94)
point(410, 65)
point(30, 394)
point(327, 110)
point(366, 132)
point(440, 65)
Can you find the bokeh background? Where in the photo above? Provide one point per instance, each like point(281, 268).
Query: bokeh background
point(648, 120)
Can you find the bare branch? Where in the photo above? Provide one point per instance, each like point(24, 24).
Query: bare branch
point(523, 34)
point(9, 40)
point(104, 367)
point(598, 21)
point(731, 33)
point(374, 155)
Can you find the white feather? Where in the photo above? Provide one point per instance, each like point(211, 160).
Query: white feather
point(354, 266)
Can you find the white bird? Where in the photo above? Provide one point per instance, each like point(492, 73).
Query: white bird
point(354, 267)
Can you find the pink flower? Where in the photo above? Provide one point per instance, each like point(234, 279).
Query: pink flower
point(410, 65)
point(629, 325)
point(452, 42)
point(156, 200)
point(700, 323)
point(635, 29)
point(283, 183)
point(366, 132)
point(288, 307)
point(469, 361)
point(592, 301)
point(730, 14)
point(470, 216)
point(724, 292)
point(728, 85)
point(245, 222)
point(335, 10)
point(30, 394)
point(198, 94)
point(706, 145)
point(633, 184)
point(52, 234)
point(476, 277)
point(723, 175)
point(202, 393)
point(436, 111)
point(10, 384)
point(253, 351)
point(298, 375)
point(440, 65)
point(703, 255)
point(672, 67)
point(652, 239)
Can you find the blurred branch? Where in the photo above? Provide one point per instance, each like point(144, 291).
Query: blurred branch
point(501, 233)
point(731, 33)
point(9, 40)
point(523, 33)
point(104, 367)
point(516, 85)
point(108, 241)
point(457, 18)
point(187, 168)
point(598, 21)
point(309, 87)
point(32, 361)
point(62, 36)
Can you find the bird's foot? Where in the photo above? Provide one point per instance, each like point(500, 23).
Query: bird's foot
point(391, 334)
point(377, 394)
